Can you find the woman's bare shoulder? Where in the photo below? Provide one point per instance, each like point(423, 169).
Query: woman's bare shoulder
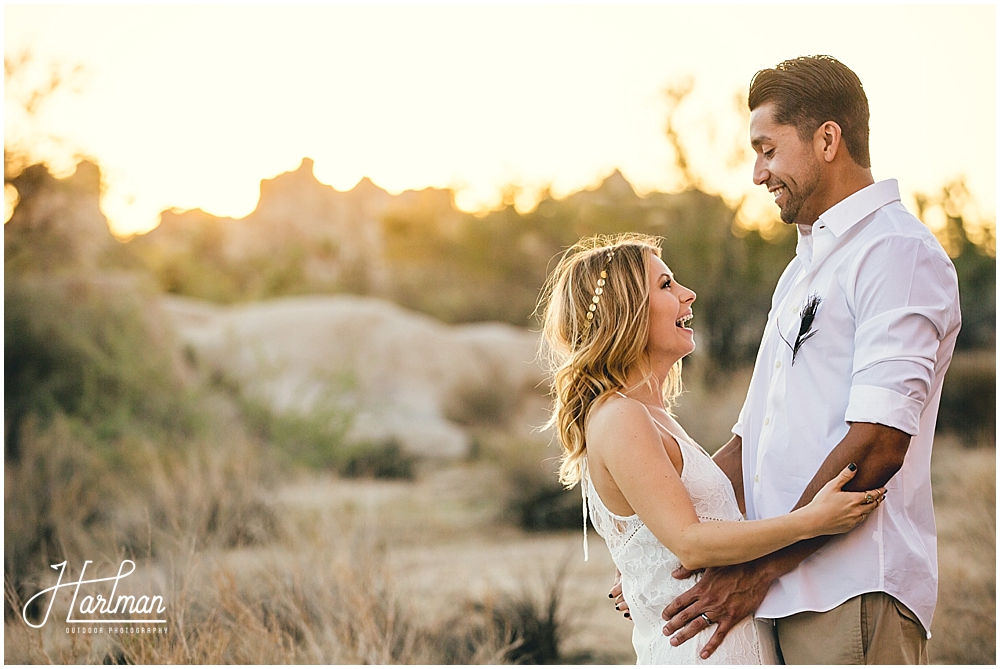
point(615, 417)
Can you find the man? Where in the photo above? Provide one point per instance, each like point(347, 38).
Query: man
point(861, 331)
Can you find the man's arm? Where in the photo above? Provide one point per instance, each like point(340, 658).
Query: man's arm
point(729, 458)
point(727, 595)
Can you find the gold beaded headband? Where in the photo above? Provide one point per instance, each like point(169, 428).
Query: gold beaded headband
point(600, 288)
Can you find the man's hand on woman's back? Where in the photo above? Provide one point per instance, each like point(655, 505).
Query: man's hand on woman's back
point(726, 595)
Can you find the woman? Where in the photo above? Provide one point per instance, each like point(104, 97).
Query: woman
point(615, 330)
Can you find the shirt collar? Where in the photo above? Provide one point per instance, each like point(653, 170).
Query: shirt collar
point(804, 247)
point(844, 215)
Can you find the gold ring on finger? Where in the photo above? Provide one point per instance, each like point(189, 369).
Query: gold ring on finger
point(869, 499)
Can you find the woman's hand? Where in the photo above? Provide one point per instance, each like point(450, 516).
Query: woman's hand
point(618, 597)
point(835, 511)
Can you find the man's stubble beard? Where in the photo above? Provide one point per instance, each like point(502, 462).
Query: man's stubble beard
point(790, 212)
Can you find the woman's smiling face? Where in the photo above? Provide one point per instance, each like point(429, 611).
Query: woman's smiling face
point(669, 312)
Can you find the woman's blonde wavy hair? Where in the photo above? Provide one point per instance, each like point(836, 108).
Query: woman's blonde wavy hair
point(587, 359)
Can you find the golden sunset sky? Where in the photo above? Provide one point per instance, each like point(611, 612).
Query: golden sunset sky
point(191, 106)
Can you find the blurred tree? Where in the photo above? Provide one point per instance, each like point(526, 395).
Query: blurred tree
point(493, 266)
point(975, 262)
point(675, 93)
point(29, 87)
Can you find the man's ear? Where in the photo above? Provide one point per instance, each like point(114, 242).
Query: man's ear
point(826, 141)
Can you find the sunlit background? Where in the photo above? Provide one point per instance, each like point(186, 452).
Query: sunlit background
point(190, 107)
point(311, 416)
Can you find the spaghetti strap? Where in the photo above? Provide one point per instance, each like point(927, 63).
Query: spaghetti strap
point(584, 479)
point(622, 394)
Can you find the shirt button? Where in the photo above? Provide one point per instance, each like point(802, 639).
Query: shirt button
point(767, 421)
point(756, 478)
point(777, 365)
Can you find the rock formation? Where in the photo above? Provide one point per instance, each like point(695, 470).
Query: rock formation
point(336, 235)
point(401, 375)
point(58, 223)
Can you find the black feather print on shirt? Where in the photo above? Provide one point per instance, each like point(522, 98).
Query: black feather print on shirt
point(806, 316)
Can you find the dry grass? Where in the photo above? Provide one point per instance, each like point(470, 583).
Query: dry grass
point(964, 480)
point(328, 570)
point(306, 603)
point(250, 577)
point(310, 610)
point(65, 499)
point(346, 582)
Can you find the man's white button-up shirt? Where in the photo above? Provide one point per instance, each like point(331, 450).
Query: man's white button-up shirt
point(876, 351)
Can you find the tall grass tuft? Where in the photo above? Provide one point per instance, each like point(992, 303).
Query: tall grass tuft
point(534, 500)
point(525, 628)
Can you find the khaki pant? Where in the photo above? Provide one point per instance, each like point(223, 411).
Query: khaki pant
point(874, 628)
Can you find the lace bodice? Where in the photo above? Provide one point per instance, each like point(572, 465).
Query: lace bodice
point(646, 564)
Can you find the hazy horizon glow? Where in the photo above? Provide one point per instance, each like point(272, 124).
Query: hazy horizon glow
point(191, 106)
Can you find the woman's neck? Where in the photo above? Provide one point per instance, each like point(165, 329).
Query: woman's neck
point(649, 393)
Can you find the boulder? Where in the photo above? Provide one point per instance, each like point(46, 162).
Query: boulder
point(402, 375)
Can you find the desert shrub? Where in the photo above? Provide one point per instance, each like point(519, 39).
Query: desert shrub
point(534, 499)
point(318, 439)
point(489, 402)
point(541, 505)
point(314, 439)
point(969, 398)
point(524, 628)
point(376, 459)
point(86, 381)
point(534, 627)
point(90, 349)
point(106, 449)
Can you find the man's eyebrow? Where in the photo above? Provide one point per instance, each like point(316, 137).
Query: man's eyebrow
point(760, 139)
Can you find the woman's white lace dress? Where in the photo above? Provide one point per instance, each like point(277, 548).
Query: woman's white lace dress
point(645, 565)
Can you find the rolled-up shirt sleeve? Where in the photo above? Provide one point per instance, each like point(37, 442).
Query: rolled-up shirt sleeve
point(904, 294)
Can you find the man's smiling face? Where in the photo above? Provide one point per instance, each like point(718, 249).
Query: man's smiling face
point(787, 165)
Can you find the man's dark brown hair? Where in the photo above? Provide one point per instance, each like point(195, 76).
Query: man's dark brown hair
point(809, 91)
